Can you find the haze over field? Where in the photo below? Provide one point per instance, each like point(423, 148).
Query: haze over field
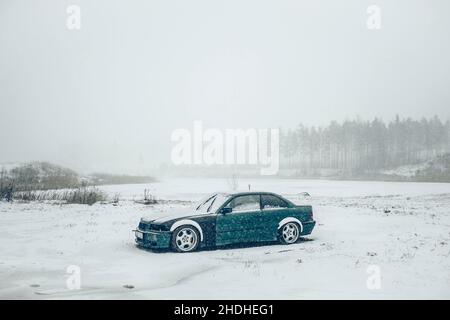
point(108, 96)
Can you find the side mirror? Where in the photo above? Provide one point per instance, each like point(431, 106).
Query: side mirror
point(226, 210)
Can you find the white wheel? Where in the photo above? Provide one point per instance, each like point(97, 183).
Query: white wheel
point(185, 239)
point(289, 233)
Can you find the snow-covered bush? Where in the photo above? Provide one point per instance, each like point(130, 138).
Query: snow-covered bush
point(82, 195)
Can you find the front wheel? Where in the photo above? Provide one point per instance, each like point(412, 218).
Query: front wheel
point(289, 233)
point(185, 239)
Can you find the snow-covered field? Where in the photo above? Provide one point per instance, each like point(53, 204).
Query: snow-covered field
point(401, 230)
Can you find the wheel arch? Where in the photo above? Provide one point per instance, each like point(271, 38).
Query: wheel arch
point(290, 219)
point(190, 223)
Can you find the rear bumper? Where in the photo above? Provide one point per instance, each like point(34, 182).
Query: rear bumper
point(153, 239)
point(308, 227)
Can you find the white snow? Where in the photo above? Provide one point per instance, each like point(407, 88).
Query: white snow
point(402, 228)
point(406, 170)
point(190, 188)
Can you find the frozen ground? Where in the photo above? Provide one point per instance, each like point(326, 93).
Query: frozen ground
point(402, 228)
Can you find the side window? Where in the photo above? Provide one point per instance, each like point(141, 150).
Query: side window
point(245, 203)
point(273, 202)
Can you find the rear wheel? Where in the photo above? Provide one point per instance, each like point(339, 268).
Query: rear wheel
point(185, 239)
point(289, 233)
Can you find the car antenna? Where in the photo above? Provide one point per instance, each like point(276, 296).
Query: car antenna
point(249, 187)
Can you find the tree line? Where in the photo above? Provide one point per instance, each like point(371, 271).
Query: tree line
point(356, 147)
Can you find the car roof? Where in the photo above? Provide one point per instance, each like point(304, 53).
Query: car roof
point(243, 193)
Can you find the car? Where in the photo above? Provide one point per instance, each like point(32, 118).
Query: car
point(228, 218)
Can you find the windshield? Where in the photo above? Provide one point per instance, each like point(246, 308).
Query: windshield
point(212, 203)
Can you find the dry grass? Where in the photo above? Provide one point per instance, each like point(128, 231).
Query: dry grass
point(83, 195)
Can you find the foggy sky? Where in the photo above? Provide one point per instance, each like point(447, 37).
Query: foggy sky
point(108, 96)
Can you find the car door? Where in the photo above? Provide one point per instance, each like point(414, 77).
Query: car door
point(273, 210)
point(240, 224)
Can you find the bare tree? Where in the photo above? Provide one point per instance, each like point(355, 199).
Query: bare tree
point(233, 182)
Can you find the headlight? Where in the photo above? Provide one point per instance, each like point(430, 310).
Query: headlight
point(139, 234)
point(158, 227)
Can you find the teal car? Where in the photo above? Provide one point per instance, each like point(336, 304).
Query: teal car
point(228, 218)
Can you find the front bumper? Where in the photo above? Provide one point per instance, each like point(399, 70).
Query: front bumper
point(308, 227)
point(153, 239)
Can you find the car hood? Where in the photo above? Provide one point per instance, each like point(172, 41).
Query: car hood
point(173, 214)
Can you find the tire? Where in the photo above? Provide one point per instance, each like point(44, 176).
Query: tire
point(289, 233)
point(185, 239)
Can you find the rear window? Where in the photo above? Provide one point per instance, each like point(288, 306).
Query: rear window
point(273, 202)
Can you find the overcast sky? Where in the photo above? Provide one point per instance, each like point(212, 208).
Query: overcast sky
point(108, 96)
